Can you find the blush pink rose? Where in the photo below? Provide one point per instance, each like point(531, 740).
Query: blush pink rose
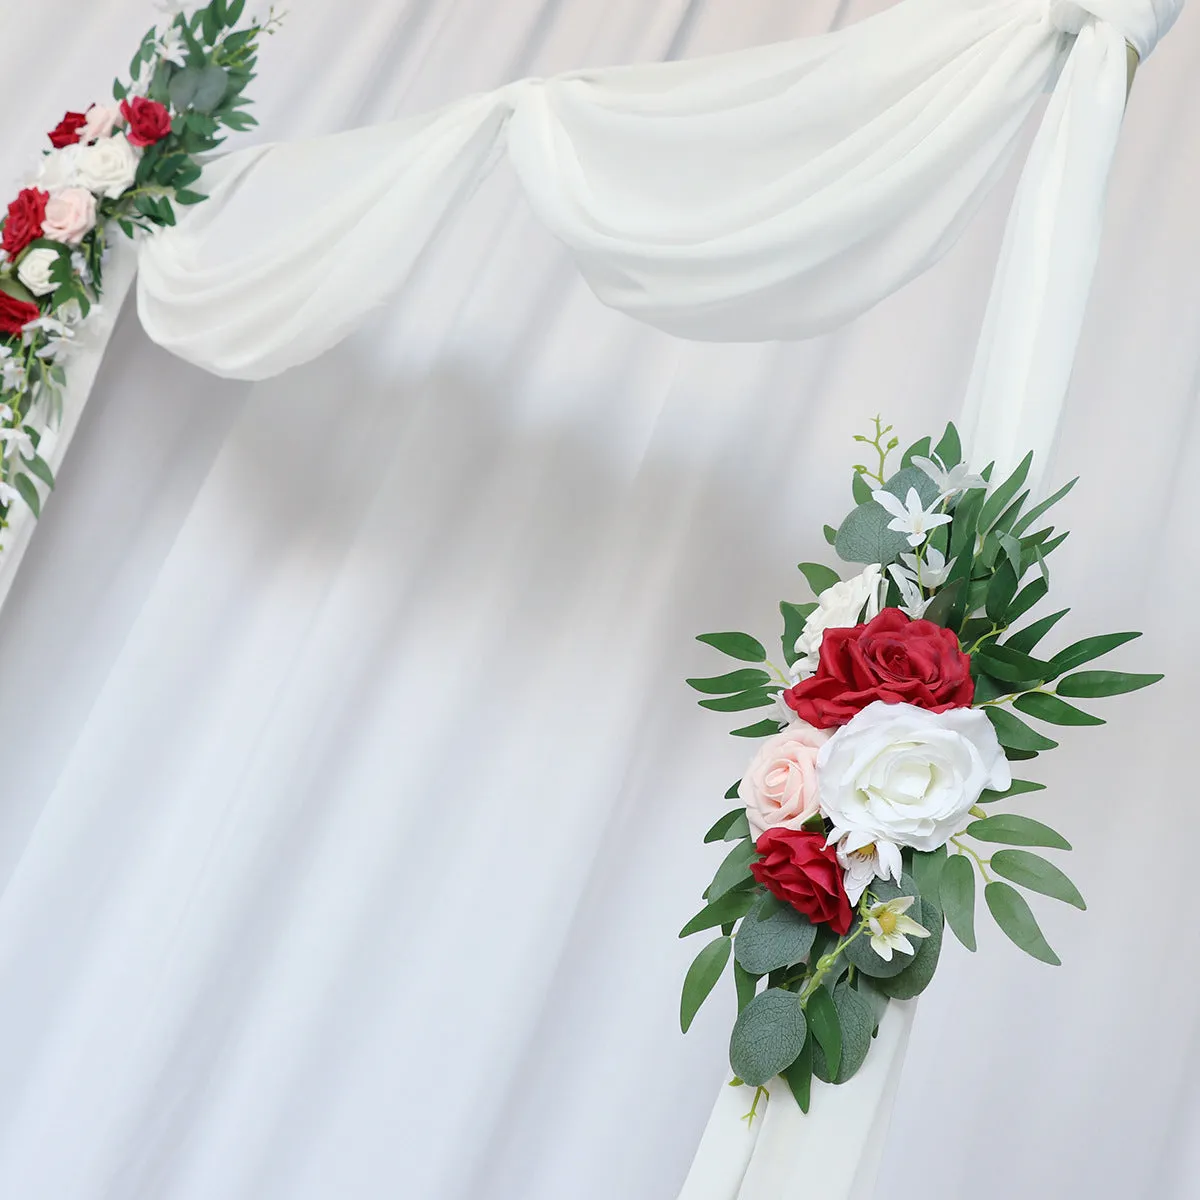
point(779, 788)
point(99, 122)
point(70, 216)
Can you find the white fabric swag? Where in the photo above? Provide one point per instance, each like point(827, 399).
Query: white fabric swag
point(776, 192)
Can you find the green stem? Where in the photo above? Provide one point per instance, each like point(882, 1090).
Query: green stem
point(759, 1093)
point(826, 963)
point(983, 863)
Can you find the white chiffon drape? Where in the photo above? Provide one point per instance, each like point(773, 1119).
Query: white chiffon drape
point(352, 799)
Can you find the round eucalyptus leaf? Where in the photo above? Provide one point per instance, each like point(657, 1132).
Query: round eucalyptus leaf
point(767, 1036)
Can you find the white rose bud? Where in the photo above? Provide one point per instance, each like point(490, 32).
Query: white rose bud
point(34, 270)
point(901, 774)
point(108, 167)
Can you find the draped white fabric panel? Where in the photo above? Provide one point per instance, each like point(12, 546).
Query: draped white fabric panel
point(352, 798)
point(764, 193)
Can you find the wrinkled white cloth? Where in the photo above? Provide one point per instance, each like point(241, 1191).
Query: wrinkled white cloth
point(775, 192)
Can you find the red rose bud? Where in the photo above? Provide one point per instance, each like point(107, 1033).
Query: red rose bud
point(16, 314)
point(891, 658)
point(148, 121)
point(24, 221)
point(66, 132)
point(802, 871)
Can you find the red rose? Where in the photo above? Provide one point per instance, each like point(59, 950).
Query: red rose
point(16, 314)
point(24, 220)
point(802, 871)
point(66, 132)
point(149, 121)
point(891, 658)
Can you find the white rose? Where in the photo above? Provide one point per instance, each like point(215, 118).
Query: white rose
point(902, 774)
point(58, 169)
point(108, 166)
point(839, 607)
point(34, 270)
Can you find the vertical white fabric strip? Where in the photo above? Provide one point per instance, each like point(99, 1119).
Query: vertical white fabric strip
point(1039, 296)
point(832, 1153)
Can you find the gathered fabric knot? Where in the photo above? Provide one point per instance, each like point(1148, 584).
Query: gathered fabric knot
point(1142, 23)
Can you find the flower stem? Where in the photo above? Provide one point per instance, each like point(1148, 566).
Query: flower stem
point(983, 863)
point(759, 1093)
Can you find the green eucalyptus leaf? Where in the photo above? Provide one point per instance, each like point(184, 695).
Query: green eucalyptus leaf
point(29, 493)
point(1032, 515)
point(943, 604)
point(733, 822)
point(1016, 788)
point(1000, 592)
point(734, 681)
point(1015, 830)
point(762, 728)
point(999, 500)
point(819, 576)
point(702, 976)
point(1026, 598)
point(919, 449)
point(768, 1036)
point(735, 645)
point(745, 983)
point(1103, 683)
point(1037, 874)
point(1014, 733)
point(753, 698)
point(860, 488)
point(726, 908)
point(927, 870)
point(1050, 708)
point(1003, 662)
point(827, 1033)
point(794, 618)
point(949, 449)
point(41, 468)
point(1078, 653)
point(1013, 914)
point(958, 898)
point(830, 534)
point(734, 870)
point(773, 936)
point(799, 1075)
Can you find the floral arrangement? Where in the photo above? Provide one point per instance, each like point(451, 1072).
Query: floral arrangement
point(125, 164)
point(880, 797)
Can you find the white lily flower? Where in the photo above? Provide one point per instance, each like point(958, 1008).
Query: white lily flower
point(910, 516)
point(957, 479)
point(17, 441)
point(889, 927)
point(864, 860)
point(914, 604)
point(5, 413)
point(8, 494)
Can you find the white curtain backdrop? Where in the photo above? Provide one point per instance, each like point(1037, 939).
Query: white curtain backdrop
point(352, 796)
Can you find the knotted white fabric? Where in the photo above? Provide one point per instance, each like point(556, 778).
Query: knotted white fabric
point(771, 193)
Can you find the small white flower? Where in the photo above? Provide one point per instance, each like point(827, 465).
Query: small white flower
point(5, 413)
point(171, 47)
point(79, 265)
point(12, 374)
point(889, 927)
point(8, 494)
point(911, 517)
point(864, 860)
point(53, 327)
point(35, 268)
point(958, 479)
point(914, 603)
point(17, 441)
point(932, 571)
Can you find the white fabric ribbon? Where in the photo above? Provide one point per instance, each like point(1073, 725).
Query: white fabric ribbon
point(771, 193)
